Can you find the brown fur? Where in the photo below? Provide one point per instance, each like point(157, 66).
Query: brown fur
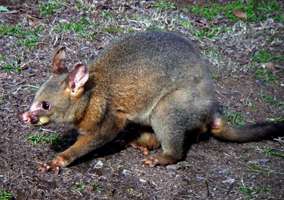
point(155, 79)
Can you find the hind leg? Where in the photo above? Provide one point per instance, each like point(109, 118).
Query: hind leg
point(171, 119)
point(145, 142)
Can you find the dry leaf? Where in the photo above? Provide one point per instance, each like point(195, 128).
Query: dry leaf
point(32, 21)
point(240, 14)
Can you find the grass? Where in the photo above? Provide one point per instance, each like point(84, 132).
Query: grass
point(255, 10)
point(84, 6)
point(50, 138)
point(209, 32)
point(276, 119)
point(265, 75)
point(50, 7)
point(251, 192)
point(112, 29)
point(10, 67)
point(256, 168)
point(206, 32)
point(79, 187)
point(96, 187)
point(107, 15)
point(27, 37)
point(235, 118)
point(163, 5)
point(264, 56)
point(273, 152)
point(272, 100)
point(4, 195)
point(81, 28)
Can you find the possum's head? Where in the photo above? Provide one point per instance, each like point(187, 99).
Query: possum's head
point(62, 97)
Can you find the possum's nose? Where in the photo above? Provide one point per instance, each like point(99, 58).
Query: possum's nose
point(29, 118)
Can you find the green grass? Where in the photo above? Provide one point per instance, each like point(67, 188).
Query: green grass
point(255, 11)
point(209, 32)
point(264, 56)
point(251, 192)
point(10, 67)
point(96, 187)
point(272, 100)
point(82, 6)
point(27, 37)
point(4, 195)
point(256, 168)
point(50, 7)
point(79, 187)
point(154, 27)
point(106, 14)
point(276, 119)
point(83, 28)
point(206, 32)
point(265, 75)
point(163, 5)
point(113, 29)
point(273, 152)
point(50, 138)
point(234, 118)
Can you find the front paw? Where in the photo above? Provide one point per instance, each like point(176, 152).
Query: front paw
point(54, 166)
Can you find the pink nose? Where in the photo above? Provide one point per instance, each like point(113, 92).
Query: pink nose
point(29, 118)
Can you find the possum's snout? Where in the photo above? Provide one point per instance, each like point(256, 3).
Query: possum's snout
point(30, 118)
point(33, 118)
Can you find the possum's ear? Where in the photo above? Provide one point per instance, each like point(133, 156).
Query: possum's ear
point(58, 61)
point(77, 78)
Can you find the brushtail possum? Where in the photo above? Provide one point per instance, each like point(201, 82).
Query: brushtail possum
point(157, 79)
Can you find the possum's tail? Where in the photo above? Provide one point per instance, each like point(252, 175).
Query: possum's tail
point(260, 131)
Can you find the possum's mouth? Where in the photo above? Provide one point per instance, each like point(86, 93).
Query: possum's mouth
point(34, 119)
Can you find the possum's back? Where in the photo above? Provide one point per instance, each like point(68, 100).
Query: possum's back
point(145, 66)
point(167, 54)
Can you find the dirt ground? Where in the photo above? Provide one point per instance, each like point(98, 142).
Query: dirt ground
point(212, 169)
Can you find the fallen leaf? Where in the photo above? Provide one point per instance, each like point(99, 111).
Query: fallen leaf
point(32, 21)
point(3, 75)
point(240, 14)
point(270, 66)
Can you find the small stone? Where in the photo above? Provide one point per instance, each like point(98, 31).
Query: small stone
point(229, 180)
point(259, 161)
point(200, 178)
point(126, 172)
point(172, 167)
point(99, 165)
point(142, 180)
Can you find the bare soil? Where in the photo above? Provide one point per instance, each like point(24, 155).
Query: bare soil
point(212, 169)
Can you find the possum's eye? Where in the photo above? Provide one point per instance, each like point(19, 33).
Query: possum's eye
point(45, 105)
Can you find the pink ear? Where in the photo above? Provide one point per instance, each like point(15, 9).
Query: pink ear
point(58, 65)
point(78, 77)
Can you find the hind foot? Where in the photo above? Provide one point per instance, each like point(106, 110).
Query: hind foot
point(160, 159)
point(145, 142)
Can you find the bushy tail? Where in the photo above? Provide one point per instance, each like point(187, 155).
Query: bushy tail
point(255, 132)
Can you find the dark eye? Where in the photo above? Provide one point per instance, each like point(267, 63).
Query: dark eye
point(45, 105)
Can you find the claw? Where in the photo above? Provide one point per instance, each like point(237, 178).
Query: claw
point(144, 150)
point(47, 167)
point(159, 159)
point(151, 161)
